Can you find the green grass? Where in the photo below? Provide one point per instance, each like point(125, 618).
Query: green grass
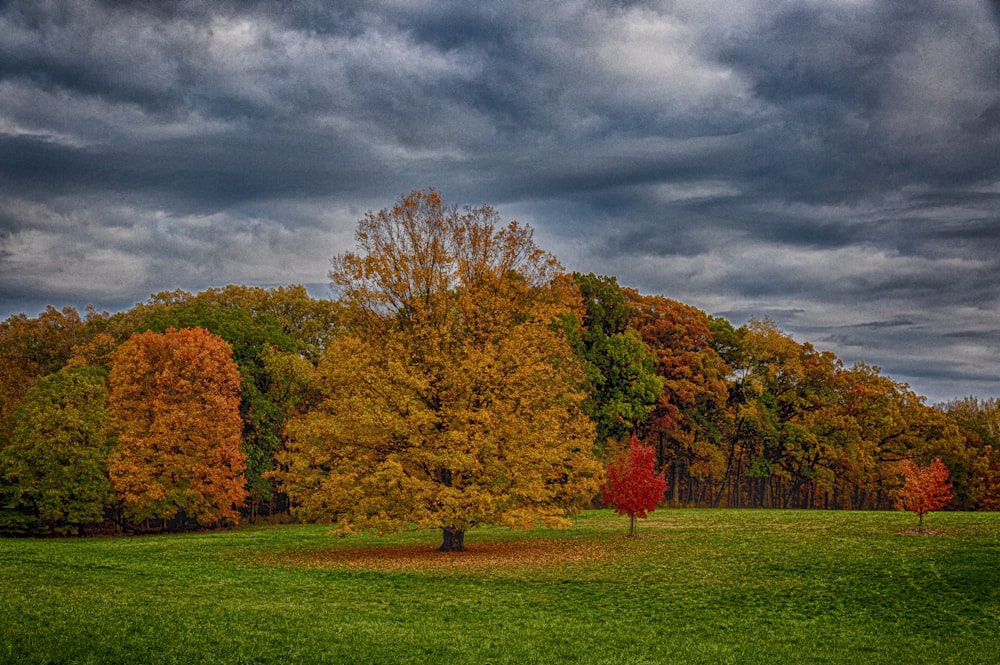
point(703, 586)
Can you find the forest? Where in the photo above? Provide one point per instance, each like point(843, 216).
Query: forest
point(460, 377)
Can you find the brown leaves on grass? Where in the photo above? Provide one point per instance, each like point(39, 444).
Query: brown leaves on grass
point(923, 532)
point(482, 557)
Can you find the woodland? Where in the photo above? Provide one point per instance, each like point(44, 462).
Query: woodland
point(461, 377)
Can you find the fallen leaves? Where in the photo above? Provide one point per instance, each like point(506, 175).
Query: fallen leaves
point(479, 557)
point(923, 532)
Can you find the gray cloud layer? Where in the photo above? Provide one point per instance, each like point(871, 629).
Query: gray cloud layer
point(833, 165)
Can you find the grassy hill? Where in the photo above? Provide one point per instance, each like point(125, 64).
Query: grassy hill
point(697, 586)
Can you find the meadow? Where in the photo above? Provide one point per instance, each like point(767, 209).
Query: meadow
point(697, 586)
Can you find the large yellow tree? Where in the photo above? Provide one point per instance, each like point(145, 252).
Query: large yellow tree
point(454, 398)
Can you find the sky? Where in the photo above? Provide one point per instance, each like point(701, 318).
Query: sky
point(831, 164)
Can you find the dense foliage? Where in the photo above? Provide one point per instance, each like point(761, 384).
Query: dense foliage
point(633, 486)
point(623, 379)
point(925, 489)
point(453, 398)
point(174, 402)
point(460, 378)
point(54, 470)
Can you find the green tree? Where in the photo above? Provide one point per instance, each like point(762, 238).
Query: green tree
point(621, 370)
point(979, 419)
point(453, 399)
point(774, 432)
point(31, 348)
point(269, 330)
point(54, 471)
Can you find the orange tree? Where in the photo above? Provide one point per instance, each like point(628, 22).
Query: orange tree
point(925, 489)
point(174, 401)
point(453, 399)
point(264, 327)
point(689, 417)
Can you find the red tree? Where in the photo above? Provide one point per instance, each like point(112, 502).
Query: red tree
point(926, 488)
point(633, 487)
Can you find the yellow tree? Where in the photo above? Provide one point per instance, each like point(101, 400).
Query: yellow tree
point(175, 404)
point(453, 399)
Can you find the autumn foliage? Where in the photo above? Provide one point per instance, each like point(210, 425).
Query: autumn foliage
point(31, 348)
point(175, 402)
point(633, 485)
point(926, 488)
point(453, 399)
point(460, 377)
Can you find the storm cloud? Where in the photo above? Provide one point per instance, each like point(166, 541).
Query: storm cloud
point(832, 165)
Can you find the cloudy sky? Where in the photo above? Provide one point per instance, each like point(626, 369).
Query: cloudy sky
point(831, 164)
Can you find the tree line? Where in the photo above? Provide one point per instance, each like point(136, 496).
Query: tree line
point(460, 377)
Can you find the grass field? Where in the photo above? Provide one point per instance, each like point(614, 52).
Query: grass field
point(700, 586)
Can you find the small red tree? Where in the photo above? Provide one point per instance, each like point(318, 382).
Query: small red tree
point(633, 487)
point(926, 488)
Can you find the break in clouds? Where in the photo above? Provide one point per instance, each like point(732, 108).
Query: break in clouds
point(832, 165)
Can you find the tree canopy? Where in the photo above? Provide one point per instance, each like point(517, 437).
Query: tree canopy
point(175, 406)
point(454, 398)
point(54, 471)
point(459, 377)
point(624, 385)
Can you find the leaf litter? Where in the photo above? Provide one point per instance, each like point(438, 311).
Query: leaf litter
point(478, 557)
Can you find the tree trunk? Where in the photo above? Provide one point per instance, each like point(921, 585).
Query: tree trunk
point(675, 489)
point(631, 526)
point(454, 540)
point(725, 481)
point(920, 523)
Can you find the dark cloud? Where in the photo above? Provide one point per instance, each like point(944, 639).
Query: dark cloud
point(831, 165)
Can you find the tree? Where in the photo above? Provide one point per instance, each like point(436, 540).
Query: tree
point(54, 471)
point(31, 348)
point(925, 489)
point(624, 386)
point(175, 400)
point(240, 315)
point(452, 400)
point(633, 486)
point(979, 420)
point(688, 419)
point(270, 331)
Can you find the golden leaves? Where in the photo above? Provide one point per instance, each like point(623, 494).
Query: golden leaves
point(516, 555)
point(452, 401)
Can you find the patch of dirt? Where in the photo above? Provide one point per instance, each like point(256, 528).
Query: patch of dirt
point(925, 532)
point(477, 557)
